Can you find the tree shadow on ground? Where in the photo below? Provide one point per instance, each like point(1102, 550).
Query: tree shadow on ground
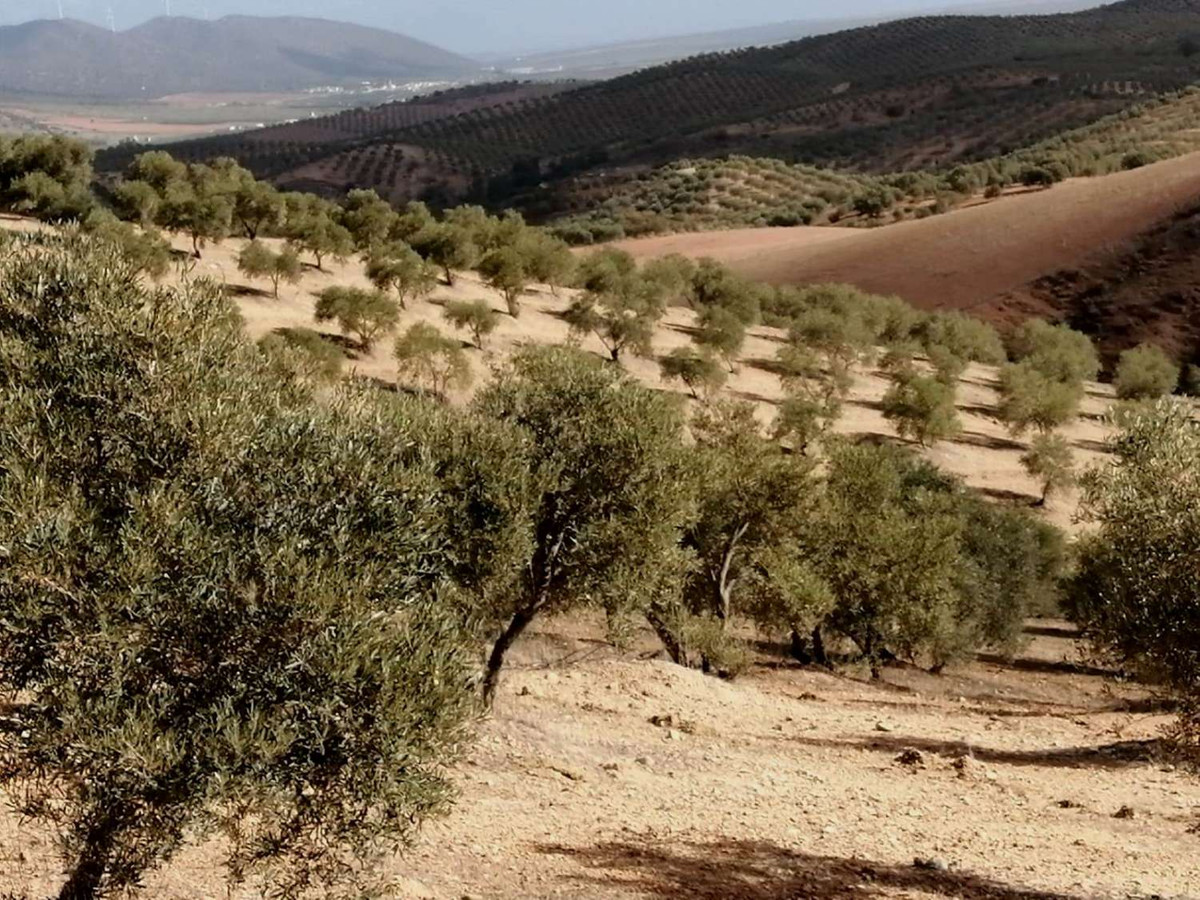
point(986, 441)
point(1059, 631)
point(760, 870)
point(1006, 496)
point(1047, 666)
point(245, 290)
point(1105, 756)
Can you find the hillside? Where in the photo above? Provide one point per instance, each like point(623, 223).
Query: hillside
point(234, 54)
point(985, 258)
point(918, 93)
point(784, 783)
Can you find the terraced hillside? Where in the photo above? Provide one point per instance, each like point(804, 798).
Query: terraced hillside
point(919, 93)
point(353, 148)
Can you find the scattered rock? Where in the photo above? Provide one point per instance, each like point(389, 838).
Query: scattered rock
point(525, 692)
point(931, 865)
point(1125, 812)
point(911, 757)
point(667, 721)
point(1069, 804)
point(810, 697)
point(965, 766)
point(611, 767)
point(568, 774)
point(643, 761)
point(673, 735)
point(883, 727)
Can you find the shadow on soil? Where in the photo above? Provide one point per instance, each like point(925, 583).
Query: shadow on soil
point(759, 870)
point(1106, 756)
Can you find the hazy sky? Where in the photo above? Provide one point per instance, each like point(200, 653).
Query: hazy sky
point(498, 26)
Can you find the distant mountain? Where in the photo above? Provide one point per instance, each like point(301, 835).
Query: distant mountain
point(612, 60)
point(236, 53)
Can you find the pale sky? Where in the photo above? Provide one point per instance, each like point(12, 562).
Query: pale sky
point(493, 26)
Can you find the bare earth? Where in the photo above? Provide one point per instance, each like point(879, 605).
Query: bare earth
point(962, 259)
point(783, 784)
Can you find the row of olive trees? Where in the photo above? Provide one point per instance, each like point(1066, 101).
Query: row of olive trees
point(239, 602)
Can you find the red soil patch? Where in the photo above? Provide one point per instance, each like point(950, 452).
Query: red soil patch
point(967, 259)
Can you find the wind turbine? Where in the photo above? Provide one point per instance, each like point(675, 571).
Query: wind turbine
point(60, 10)
point(112, 20)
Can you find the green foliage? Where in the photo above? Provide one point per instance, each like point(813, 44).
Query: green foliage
point(365, 315)
point(1136, 595)
point(1056, 351)
point(257, 205)
point(620, 306)
point(506, 270)
point(609, 481)
point(449, 247)
point(753, 496)
point(698, 371)
point(920, 567)
point(312, 227)
point(257, 260)
point(45, 176)
point(369, 219)
point(720, 331)
point(475, 316)
point(199, 203)
point(399, 269)
point(429, 358)
point(304, 352)
point(145, 250)
point(922, 408)
point(1031, 399)
point(1051, 462)
point(961, 336)
point(221, 599)
point(548, 260)
point(814, 391)
point(1145, 373)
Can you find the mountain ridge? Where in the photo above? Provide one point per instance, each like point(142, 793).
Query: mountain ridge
point(235, 53)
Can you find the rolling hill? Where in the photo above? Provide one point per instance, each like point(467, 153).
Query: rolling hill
point(234, 54)
point(1114, 256)
point(924, 93)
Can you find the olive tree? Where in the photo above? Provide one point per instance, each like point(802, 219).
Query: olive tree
point(1050, 461)
point(1145, 373)
point(610, 487)
point(365, 315)
point(621, 308)
point(753, 495)
point(1031, 399)
point(698, 370)
point(475, 316)
point(1056, 351)
point(400, 269)
point(1136, 595)
point(922, 408)
point(434, 361)
point(257, 260)
point(220, 599)
point(506, 271)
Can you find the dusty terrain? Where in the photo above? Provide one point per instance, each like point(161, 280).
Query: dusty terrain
point(985, 454)
point(965, 259)
point(785, 784)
